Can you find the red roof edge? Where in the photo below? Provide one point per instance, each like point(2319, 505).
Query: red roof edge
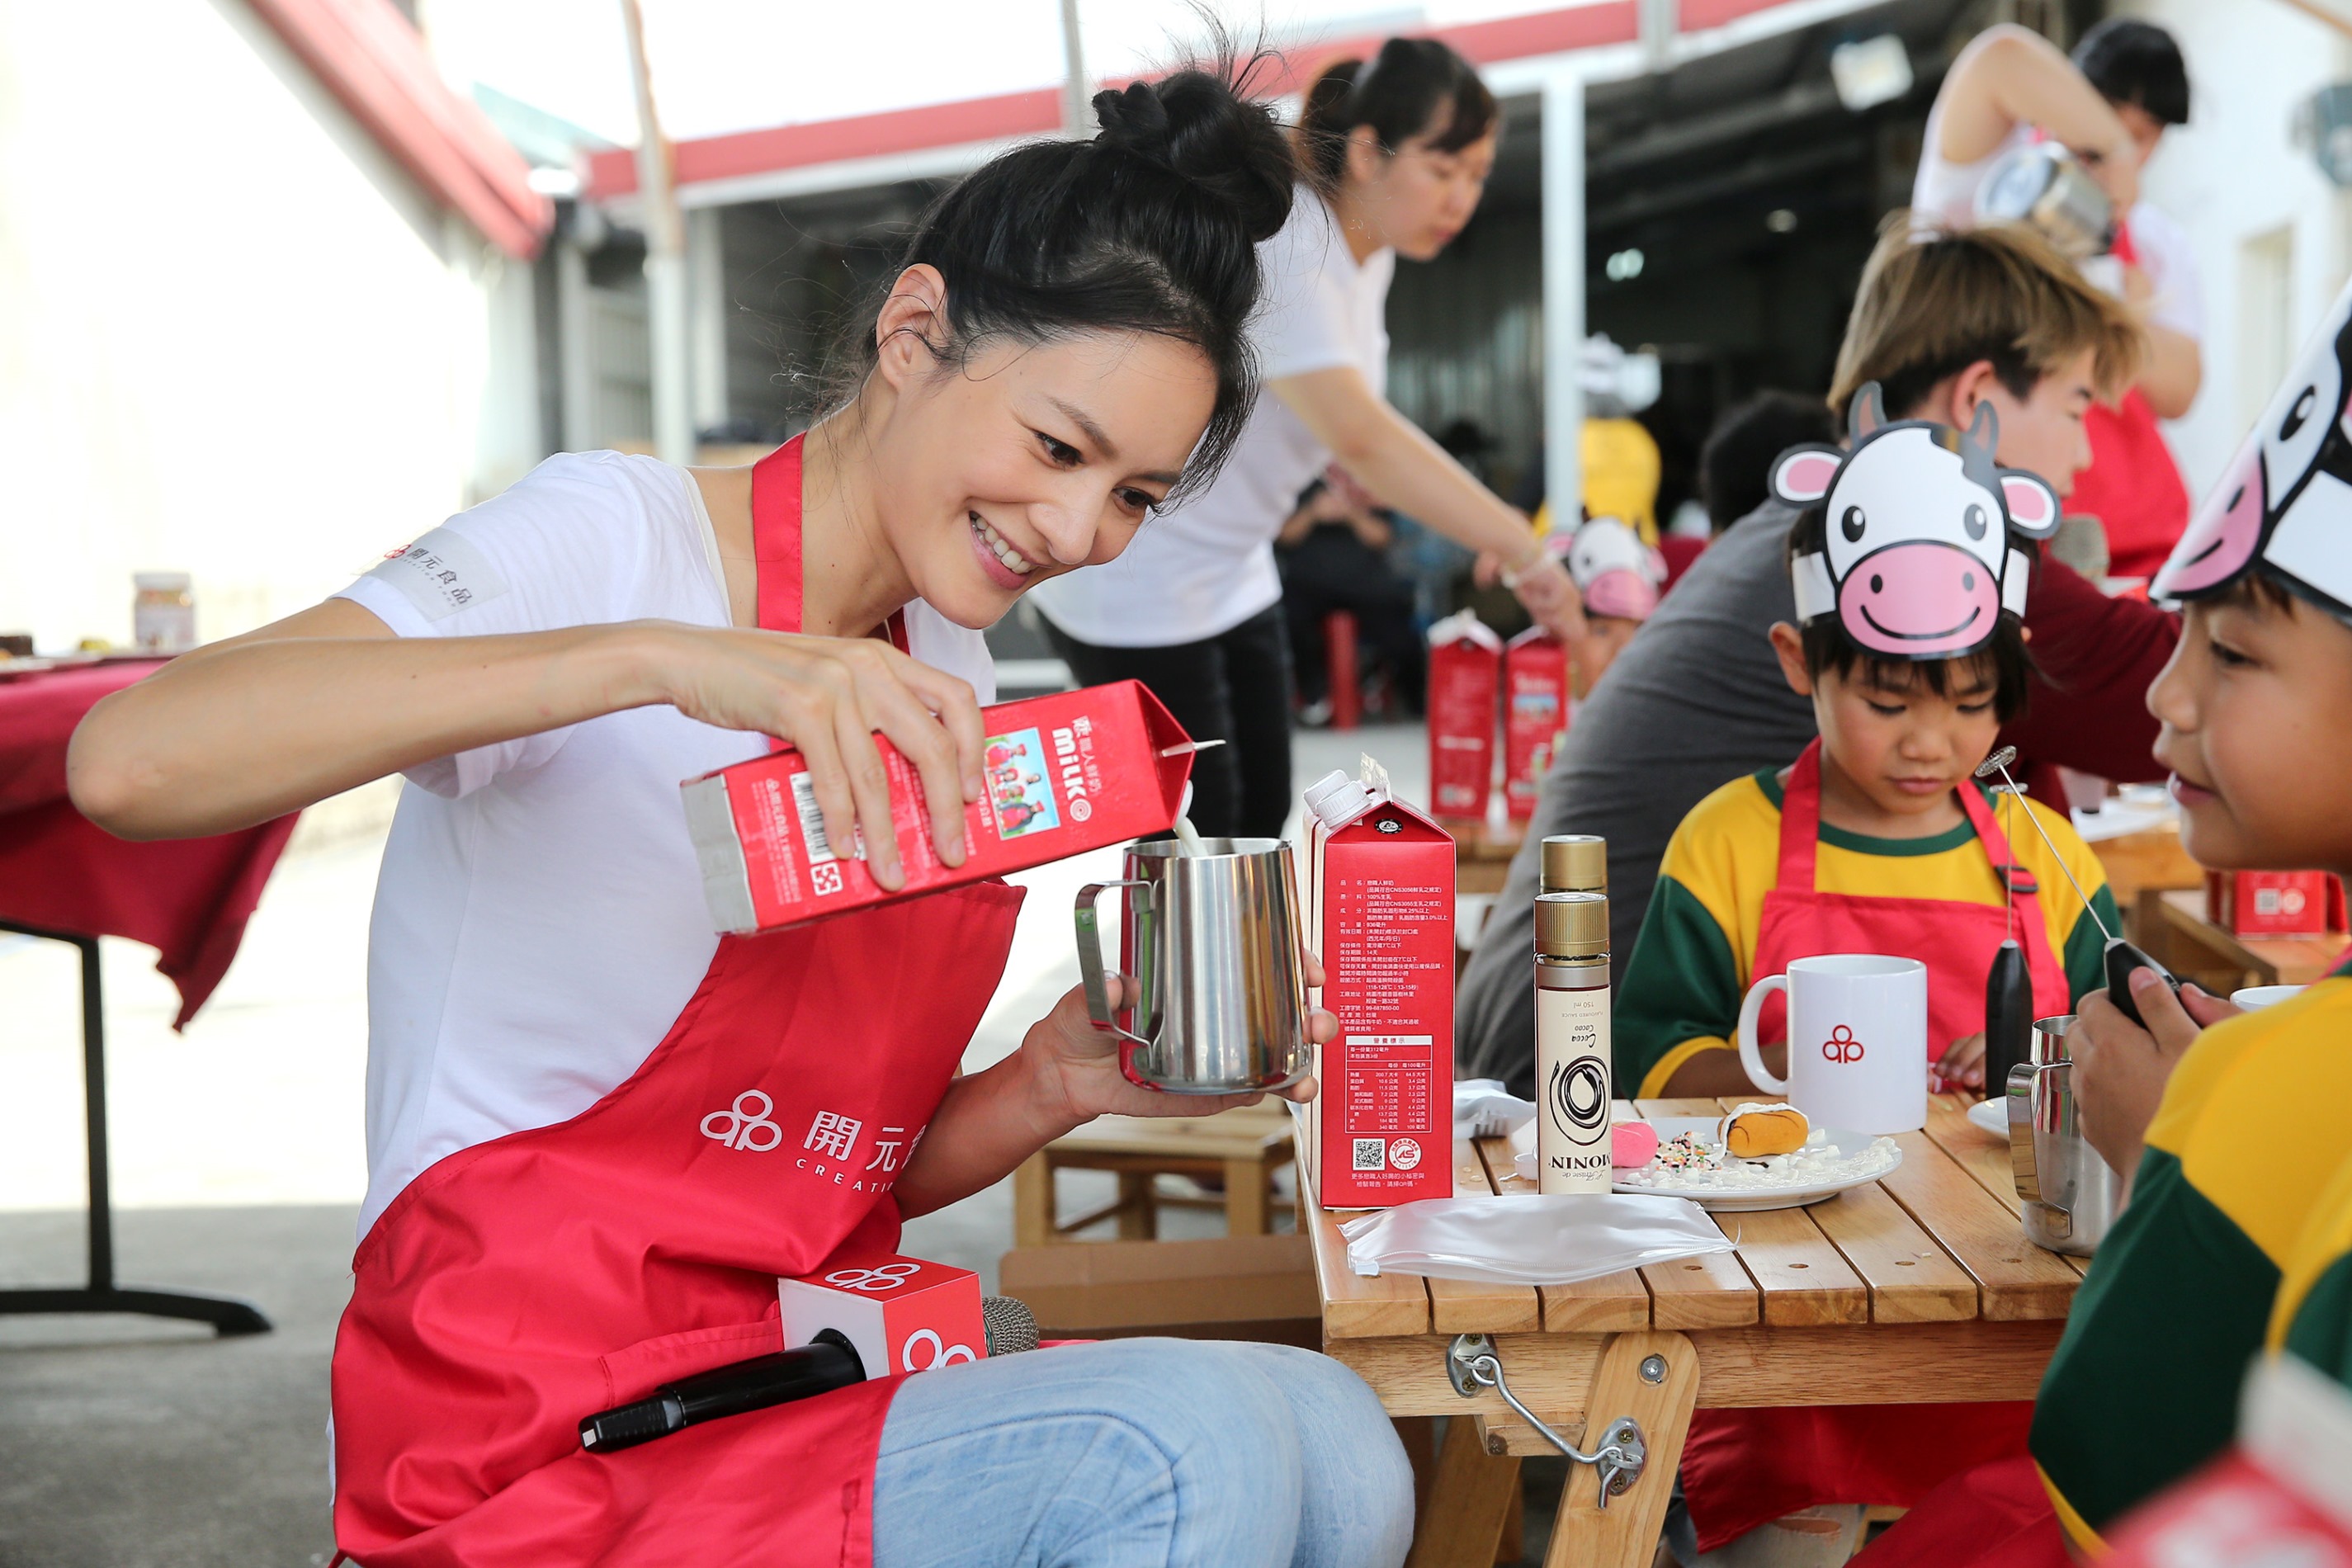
point(1037, 111)
point(369, 56)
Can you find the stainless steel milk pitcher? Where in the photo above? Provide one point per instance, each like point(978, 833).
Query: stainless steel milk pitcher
point(2070, 1195)
point(1213, 941)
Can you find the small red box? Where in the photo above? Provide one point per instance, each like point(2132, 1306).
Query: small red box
point(2269, 903)
point(1535, 715)
point(1381, 911)
point(1067, 773)
point(903, 1314)
point(1466, 660)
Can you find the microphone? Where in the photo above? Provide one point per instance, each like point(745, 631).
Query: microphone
point(829, 1361)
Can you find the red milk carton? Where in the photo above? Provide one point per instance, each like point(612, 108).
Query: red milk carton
point(1381, 912)
point(1535, 713)
point(902, 1314)
point(1465, 670)
point(1067, 773)
point(2268, 903)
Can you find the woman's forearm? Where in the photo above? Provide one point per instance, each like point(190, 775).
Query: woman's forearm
point(985, 1126)
point(2172, 373)
point(1396, 461)
point(248, 729)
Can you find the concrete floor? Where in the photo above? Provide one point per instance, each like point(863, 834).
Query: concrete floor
point(237, 1168)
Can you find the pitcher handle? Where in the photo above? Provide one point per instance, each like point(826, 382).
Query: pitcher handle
point(1090, 963)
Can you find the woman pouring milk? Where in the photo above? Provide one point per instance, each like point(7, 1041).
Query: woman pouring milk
point(550, 1017)
point(1394, 152)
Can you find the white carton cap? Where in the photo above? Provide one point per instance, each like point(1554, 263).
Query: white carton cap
point(1336, 800)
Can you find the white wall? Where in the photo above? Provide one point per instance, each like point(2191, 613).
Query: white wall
point(2235, 180)
point(235, 338)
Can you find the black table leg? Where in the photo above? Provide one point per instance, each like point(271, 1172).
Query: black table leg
point(227, 1314)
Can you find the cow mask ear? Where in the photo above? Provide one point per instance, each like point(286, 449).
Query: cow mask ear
point(2032, 504)
point(1802, 475)
point(1865, 414)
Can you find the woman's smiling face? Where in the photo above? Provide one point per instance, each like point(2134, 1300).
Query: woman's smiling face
point(1027, 460)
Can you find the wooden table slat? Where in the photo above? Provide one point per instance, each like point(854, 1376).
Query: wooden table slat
point(2014, 1278)
point(1971, 1148)
point(1610, 1304)
point(1474, 1307)
point(1911, 1279)
point(1355, 1306)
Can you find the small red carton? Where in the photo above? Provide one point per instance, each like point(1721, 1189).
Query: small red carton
point(1535, 715)
point(902, 1314)
point(1465, 661)
point(2269, 903)
point(1067, 773)
point(1380, 914)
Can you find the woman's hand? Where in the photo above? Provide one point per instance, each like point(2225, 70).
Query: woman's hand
point(828, 696)
point(1961, 1066)
point(1074, 1067)
point(2120, 1069)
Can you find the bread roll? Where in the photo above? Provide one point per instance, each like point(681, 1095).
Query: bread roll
point(1753, 1132)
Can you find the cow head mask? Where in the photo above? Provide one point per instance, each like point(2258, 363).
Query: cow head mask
point(1917, 559)
point(2285, 503)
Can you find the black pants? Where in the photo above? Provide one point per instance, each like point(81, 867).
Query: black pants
point(1234, 687)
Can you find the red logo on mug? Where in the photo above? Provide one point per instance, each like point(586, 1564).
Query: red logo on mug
point(1841, 1047)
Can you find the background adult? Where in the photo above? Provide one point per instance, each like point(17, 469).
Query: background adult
point(2110, 105)
point(1333, 553)
point(1698, 696)
point(1395, 152)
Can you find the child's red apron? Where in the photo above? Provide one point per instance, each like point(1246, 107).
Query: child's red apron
point(524, 1283)
point(1742, 1469)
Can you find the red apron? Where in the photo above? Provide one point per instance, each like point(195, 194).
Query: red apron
point(520, 1285)
point(2133, 486)
point(1742, 1469)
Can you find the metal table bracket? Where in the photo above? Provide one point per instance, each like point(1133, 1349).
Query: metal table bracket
point(1472, 1364)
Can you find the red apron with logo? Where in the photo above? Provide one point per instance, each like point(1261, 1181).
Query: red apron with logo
point(521, 1284)
point(1742, 1469)
point(2133, 486)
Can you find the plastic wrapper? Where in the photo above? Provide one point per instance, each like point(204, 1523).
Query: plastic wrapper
point(1529, 1239)
point(1482, 1108)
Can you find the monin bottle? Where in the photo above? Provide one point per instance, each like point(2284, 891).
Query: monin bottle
point(1573, 1089)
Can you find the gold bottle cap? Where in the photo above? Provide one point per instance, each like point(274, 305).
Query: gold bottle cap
point(1571, 925)
point(1575, 863)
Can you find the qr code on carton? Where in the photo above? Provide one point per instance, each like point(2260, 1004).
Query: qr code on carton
point(1371, 1154)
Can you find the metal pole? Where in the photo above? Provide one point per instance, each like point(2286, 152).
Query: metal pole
point(1563, 295)
point(1077, 113)
point(667, 326)
point(93, 1089)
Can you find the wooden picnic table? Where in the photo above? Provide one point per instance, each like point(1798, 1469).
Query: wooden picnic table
point(1920, 1287)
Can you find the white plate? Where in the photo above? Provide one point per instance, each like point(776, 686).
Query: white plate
point(1748, 1200)
point(1990, 1116)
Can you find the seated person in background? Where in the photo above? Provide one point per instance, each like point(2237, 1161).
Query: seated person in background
point(2251, 1118)
point(1620, 578)
point(1942, 323)
point(1332, 553)
point(1909, 570)
point(1735, 467)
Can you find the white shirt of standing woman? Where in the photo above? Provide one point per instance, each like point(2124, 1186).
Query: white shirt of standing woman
point(539, 919)
point(1207, 566)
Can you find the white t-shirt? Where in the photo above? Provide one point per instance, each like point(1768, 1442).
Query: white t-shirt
point(540, 920)
point(1947, 191)
point(1207, 566)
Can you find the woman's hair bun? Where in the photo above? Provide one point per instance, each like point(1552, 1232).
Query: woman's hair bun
point(1198, 126)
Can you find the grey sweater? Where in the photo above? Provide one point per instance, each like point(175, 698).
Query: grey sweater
point(1694, 700)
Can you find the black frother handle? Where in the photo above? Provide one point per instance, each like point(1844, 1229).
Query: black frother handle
point(2122, 959)
point(2009, 1017)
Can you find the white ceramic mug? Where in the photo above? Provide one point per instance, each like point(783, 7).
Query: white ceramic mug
point(1857, 1041)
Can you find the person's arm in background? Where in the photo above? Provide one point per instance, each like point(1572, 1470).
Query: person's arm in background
point(2009, 76)
point(2097, 656)
point(2174, 366)
point(1402, 467)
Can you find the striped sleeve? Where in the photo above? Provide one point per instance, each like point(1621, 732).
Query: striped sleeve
point(1680, 994)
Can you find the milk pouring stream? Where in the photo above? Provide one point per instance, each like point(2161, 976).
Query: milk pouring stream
point(1572, 1087)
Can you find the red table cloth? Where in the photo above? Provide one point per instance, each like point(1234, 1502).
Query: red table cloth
point(187, 897)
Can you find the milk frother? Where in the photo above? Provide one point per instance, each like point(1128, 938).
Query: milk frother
point(2122, 957)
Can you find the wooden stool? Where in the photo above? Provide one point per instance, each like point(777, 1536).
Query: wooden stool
point(1245, 1146)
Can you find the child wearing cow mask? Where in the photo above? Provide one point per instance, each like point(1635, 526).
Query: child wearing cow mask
point(1910, 565)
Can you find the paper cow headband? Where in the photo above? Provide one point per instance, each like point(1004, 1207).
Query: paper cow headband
point(1615, 572)
point(1916, 562)
point(2285, 503)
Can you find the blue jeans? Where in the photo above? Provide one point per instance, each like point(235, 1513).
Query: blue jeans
point(1141, 1452)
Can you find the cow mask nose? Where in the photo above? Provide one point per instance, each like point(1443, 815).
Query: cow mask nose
point(1922, 599)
